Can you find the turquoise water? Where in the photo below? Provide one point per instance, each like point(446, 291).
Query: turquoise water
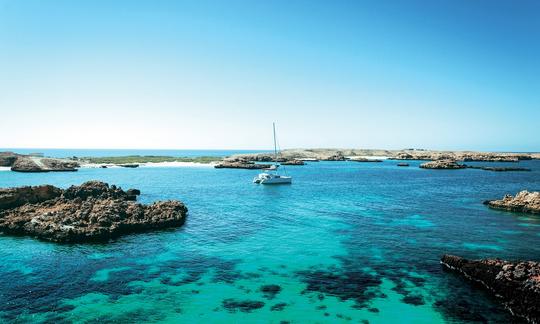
point(346, 242)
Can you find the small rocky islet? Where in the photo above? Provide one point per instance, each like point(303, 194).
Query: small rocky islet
point(91, 212)
point(523, 202)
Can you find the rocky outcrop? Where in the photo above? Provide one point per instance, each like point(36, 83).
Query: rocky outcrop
point(442, 164)
point(365, 160)
point(100, 190)
point(406, 154)
point(335, 157)
point(39, 164)
point(15, 197)
point(490, 158)
point(293, 162)
point(460, 156)
point(93, 211)
point(129, 165)
point(516, 284)
point(7, 159)
point(241, 165)
point(523, 202)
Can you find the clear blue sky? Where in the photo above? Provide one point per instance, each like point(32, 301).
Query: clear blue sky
point(215, 74)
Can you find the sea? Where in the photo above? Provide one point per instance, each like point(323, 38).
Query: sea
point(346, 242)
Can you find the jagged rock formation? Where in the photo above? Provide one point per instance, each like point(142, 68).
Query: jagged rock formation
point(442, 164)
point(516, 284)
point(93, 211)
point(15, 197)
point(523, 202)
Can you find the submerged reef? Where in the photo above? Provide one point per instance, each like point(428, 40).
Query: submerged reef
point(246, 306)
point(516, 284)
point(93, 211)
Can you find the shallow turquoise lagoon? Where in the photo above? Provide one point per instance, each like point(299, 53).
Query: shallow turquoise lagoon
point(346, 242)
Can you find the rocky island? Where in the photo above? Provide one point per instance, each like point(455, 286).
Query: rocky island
point(516, 284)
point(523, 202)
point(35, 163)
point(91, 212)
point(405, 154)
point(240, 163)
point(442, 164)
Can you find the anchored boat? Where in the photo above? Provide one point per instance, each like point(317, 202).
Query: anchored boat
point(271, 176)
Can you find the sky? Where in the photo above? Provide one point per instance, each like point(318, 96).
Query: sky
point(215, 74)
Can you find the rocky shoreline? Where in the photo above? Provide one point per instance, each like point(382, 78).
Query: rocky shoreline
point(516, 284)
point(91, 212)
point(295, 157)
point(454, 165)
point(406, 154)
point(523, 202)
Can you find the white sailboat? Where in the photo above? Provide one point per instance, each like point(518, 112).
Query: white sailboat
point(272, 177)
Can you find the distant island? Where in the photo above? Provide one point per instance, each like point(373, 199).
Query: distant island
point(36, 162)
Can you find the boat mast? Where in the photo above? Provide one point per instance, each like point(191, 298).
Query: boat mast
point(275, 146)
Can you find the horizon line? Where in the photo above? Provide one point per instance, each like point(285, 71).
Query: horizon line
point(256, 149)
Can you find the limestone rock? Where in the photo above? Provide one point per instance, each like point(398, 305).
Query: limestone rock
point(442, 164)
point(523, 202)
point(39, 164)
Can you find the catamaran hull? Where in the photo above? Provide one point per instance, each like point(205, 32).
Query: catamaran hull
point(280, 180)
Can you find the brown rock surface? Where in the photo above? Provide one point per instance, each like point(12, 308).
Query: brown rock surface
point(516, 284)
point(14, 197)
point(93, 211)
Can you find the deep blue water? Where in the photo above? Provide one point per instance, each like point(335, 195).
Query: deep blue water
point(345, 242)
